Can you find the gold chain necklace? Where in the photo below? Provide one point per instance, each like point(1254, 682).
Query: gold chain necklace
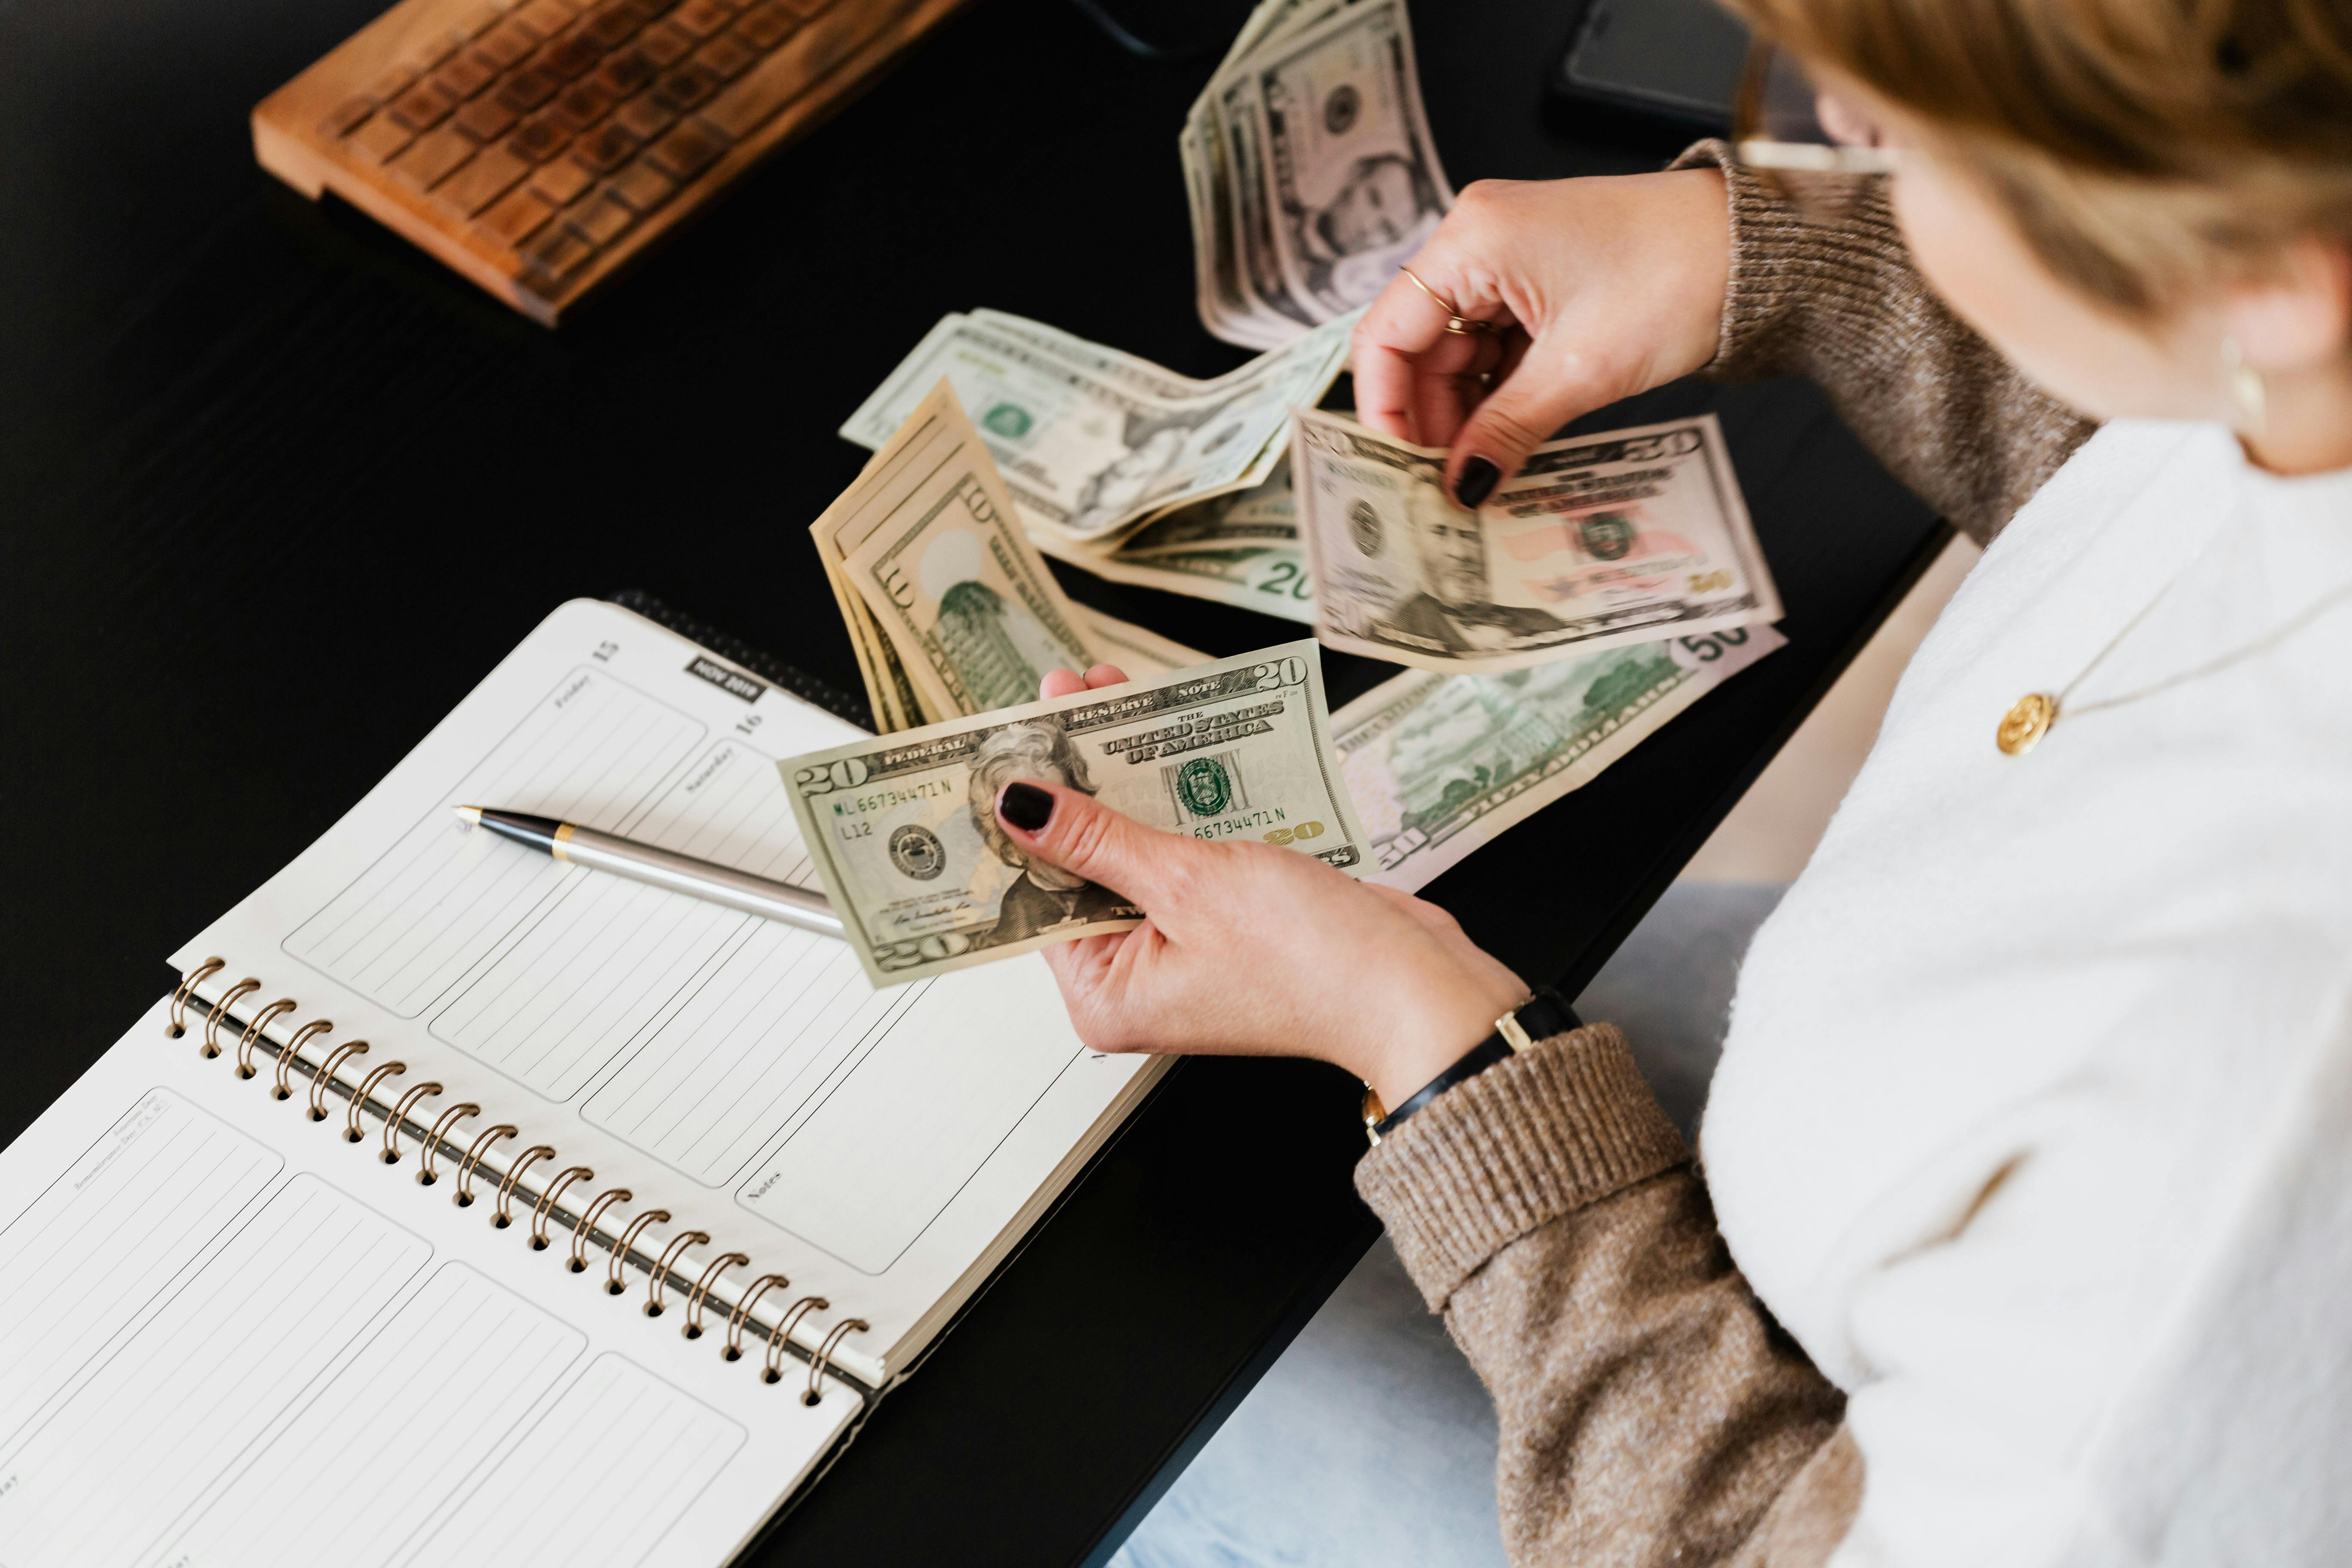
point(2030, 716)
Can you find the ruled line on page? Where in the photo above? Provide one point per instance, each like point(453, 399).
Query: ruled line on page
point(170, 1406)
point(596, 1483)
point(90, 1254)
point(593, 751)
point(377, 1454)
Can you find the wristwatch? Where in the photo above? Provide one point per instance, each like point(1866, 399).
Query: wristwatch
point(1540, 1018)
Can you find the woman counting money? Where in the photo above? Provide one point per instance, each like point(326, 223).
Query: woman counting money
point(2024, 1235)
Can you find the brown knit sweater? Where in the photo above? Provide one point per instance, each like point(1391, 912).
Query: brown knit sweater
point(1652, 1410)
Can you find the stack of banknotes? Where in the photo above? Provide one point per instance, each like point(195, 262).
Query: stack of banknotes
point(1122, 467)
point(949, 608)
point(1310, 168)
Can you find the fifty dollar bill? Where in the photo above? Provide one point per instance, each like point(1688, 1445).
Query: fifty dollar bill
point(1439, 764)
point(1598, 541)
point(904, 833)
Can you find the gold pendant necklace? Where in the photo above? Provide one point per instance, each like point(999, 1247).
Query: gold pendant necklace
point(2028, 719)
point(2030, 716)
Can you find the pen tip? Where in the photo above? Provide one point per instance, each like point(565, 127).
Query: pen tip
point(472, 814)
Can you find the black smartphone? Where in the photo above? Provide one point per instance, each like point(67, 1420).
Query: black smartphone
point(1672, 59)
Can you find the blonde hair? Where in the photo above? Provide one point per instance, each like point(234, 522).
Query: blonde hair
point(2146, 148)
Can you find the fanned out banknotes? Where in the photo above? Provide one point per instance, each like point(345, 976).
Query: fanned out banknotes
point(1598, 541)
point(955, 619)
point(1441, 765)
point(903, 829)
point(1309, 167)
point(1092, 441)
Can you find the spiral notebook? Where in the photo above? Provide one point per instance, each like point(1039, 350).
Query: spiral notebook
point(462, 1207)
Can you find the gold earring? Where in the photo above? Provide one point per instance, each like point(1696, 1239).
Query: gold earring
point(2246, 388)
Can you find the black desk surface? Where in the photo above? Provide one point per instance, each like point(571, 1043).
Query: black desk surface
point(277, 490)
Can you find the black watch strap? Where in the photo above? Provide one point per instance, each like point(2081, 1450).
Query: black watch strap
point(1540, 1018)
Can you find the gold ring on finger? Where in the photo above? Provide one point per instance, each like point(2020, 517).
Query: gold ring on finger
point(1455, 322)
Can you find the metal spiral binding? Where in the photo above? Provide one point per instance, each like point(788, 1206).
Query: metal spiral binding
point(847, 1326)
point(522, 1161)
point(587, 1225)
point(546, 1206)
point(623, 1247)
point(434, 1140)
point(244, 1067)
point(321, 1076)
point(351, 1133)
point(781, 1335)
point(614, 1284)
point(284, 1087)
point(693, 1298)
point(743, 1305)
point(677, 1245)
point(464, 1196)
point(400, 1114)
point(212, 1045)
point(178, 1026)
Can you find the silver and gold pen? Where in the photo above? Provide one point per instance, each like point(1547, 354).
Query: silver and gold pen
point(577, 846)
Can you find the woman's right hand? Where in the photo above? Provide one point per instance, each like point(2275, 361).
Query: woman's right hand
point(1254, 949)
point(1603, 288)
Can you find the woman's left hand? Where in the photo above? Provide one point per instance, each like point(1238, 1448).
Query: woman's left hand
point(1252, 949)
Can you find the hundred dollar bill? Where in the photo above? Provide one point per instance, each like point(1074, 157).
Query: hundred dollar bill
point(1598, 541)
point(1091, 441)
point(1239, 549)
point(1309, 169)
point(1439, 764)
point(904, 833)
point(950, 606)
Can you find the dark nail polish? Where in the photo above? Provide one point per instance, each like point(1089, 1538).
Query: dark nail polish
point(1025, 806)
point(1476, 482)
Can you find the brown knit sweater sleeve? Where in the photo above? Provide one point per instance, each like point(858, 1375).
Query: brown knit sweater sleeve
point(1651, 1412)
point(1837, 299)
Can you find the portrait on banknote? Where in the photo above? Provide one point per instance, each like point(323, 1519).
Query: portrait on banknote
point(1453, 612)
point(1596, 542)
point(1152, 442)
point(1042, 898)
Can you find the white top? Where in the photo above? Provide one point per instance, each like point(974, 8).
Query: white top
point(2034, 1126)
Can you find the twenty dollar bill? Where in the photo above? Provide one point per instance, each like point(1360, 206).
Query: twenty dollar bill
point(904, 832)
